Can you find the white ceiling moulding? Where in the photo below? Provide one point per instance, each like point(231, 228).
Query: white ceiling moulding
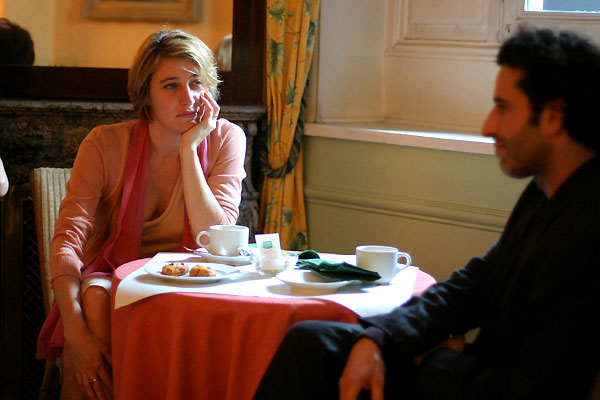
point(460, 29)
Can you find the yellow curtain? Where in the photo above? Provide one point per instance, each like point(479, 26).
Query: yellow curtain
point(291, 28)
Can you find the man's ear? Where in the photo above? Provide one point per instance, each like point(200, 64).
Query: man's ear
point(552, 116)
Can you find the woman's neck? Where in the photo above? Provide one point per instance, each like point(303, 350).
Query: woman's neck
point(163, 143)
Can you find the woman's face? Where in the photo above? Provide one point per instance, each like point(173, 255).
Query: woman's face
point(175, 88)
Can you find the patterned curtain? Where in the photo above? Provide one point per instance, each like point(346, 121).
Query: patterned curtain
point(291, 28)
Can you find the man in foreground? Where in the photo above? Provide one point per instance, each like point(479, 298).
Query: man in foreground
point(535, 295)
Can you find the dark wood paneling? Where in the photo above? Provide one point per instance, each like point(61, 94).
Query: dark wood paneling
point(243, 85)
point(74, 83)
point(248, 58)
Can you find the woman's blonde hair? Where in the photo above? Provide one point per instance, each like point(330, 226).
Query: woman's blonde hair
point(168, 43)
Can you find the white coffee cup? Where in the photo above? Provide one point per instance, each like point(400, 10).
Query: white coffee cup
point(381, 259)
point(224, 240)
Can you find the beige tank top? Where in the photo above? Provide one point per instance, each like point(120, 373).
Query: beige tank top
point(164, 233)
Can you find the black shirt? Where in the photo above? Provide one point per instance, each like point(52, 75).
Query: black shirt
point(535, 296)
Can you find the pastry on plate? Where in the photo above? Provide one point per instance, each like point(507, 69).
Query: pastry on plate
point(202, 271)
point(175, 269)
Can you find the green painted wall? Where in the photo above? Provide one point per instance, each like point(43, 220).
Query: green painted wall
point(441, 206)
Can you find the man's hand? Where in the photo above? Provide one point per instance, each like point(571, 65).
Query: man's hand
point(364, 370)
point(456, 343)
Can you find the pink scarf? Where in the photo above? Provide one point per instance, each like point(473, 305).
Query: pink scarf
point(125, 240)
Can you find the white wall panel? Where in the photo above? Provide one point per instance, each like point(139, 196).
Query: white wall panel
point(447, 95)
point(443, 207)
point(351, 48)
point(460, 20)
point(437, 75)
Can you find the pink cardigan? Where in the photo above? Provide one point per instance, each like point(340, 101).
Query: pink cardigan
point(93, 195)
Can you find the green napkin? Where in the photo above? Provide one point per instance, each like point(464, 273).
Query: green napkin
point(343, 271)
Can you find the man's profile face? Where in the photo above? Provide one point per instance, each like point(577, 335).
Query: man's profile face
point(520, 147)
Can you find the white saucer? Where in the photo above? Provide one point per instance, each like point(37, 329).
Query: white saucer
point(308, 281)
point(222, 270)
point(230, 260)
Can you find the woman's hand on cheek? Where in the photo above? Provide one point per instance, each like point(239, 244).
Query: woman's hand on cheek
point(206, 120)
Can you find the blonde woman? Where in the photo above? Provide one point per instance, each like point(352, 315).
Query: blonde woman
point(137, 188)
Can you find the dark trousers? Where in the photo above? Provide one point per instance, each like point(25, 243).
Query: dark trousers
point(310, 361)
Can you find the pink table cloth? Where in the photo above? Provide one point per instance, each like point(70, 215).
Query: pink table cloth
point(206, 346)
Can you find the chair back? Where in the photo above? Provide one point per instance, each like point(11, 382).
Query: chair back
point(48, 189)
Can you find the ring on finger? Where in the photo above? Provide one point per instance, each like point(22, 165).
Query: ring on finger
point(92, 380)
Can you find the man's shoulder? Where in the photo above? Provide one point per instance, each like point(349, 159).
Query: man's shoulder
point(583, 187)
point(576, 205)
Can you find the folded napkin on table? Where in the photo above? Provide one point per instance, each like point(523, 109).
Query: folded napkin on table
point(332, 270)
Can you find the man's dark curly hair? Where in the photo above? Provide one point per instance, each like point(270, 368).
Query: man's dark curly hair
point(16, 46)
point(558, 65)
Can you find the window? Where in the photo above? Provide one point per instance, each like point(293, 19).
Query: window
point(577, 15)
point(587, 6)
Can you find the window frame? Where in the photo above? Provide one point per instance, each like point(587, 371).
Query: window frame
point(513, 12)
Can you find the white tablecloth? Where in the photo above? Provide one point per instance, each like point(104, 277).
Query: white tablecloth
point(363, 299)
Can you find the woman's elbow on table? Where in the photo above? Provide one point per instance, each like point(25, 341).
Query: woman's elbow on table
point(229, 217)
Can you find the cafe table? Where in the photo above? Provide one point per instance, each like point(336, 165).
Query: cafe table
point(193, 342)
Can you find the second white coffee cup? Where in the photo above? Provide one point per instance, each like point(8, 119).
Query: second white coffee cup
point(381, 259)
point(224, 240)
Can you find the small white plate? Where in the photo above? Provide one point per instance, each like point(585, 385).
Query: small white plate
point(230, 260)
point(308, 281)
point(222, 270)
